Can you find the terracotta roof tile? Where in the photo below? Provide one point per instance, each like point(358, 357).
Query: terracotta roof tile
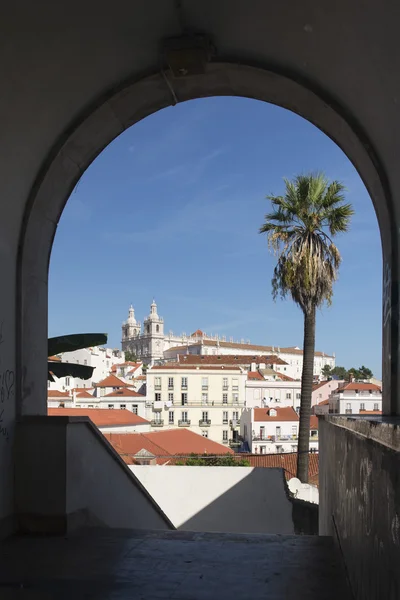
point(84, 394)
point(100, 416)
point(124, 393)
point(370, 412)
point(286, 413)
point(287, 461)
point(253, 375)
point(172, 442)
point(359, 386)
point(197, 333)
point(57, 394)
point(313, 422)
point(111, 381)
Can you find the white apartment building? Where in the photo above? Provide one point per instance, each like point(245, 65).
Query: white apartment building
point(261, 392)
point(102, 359)
point(274, 430)
point(207, 399)
point(293, 355)
point(356, 398)
point(322, 390)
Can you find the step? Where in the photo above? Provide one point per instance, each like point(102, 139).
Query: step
point(172, 564)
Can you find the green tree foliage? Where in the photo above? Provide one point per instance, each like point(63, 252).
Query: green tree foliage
point(130, 356)
point(326, 371)
point(340, 373)
point(226, 460)
point(300, 231)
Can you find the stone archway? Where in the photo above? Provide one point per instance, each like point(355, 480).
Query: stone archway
point(122, 108)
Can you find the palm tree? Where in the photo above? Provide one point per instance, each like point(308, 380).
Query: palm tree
point(299, 230)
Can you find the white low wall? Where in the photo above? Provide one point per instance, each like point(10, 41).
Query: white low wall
point(224, 499)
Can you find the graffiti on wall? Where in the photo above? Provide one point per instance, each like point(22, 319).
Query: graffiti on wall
point(7, 390)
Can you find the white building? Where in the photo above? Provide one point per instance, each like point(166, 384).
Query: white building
point(152, 345)
point(274, 430)
point(271, 390)
point(293, 356)
point(102, 359)
point(322, 390)
point(207, 399)
point(356, 398)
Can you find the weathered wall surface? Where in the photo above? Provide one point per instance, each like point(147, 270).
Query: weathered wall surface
point(226, 499)
point(68, 476)
point(360, 500)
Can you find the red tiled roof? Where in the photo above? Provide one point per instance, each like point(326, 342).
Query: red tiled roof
point(100, 416)
point(370, 412)
point(286, 413)
point(359, 386)
point(197, 333)
point(82, 389)
point(84, 394)
point(323, 403)
point(140, 377)
point(57, 394)
point(313, 422)
point(252, 375)
point(124, 393)
point(111, 381)
point(54, 359)
point(287, 461)
point(172, 442)
point(285, 377)
point(129, 363)
point(228, 359)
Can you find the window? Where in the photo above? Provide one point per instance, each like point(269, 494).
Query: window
point(225, 383)
point(85, 362)
point(157, 383)
point(157, 417)
point(157, 328)
point(294, 429)
point(204, 416)
point(376, 406)
point(171, 417)
point(122, 406)
point(235, 384)
point(297, 409)
point(77, 362)
point(204, 433)
point(184, 416)
point(90, 405)
point(157, 396)
point(319, 395)
point(135, 409)
point(298, 396)
point(278, 449)
point(362, 406)
point(170, 383)
point(204, 398)
point(262, 449)
point(294, 448)
point(171, 397)
point(184, 383)
point(225, 417)
point(224, 398)
point(235, 398)
point(288, 395)
point(184, 398)
point(67, 381)
point(110, 406)
point(204, 383)
point(348, 405)
point(102, 392)
point(224, 435)
point(235, 415)
point(278, 431)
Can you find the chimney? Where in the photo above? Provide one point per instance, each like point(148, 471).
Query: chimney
point(351, 377)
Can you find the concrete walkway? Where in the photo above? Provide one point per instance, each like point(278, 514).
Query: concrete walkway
point(177, 565)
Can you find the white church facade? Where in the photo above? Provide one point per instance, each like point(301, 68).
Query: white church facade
point(151, 345)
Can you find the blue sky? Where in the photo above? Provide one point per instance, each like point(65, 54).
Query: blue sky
point(171, 209)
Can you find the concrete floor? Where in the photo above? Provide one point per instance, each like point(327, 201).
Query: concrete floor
point(176, 565)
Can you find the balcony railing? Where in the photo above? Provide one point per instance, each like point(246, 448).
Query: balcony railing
point(274, 438)
point(204, 387)
point(225, 422)
point(225, 388)
point(224, 441)
point(205, 423)
point(157, 387)
point(157, 423)
point(182, 423)
point(235, 443)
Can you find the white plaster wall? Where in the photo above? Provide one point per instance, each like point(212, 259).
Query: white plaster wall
point(324, 391)
point(257, 390)
point(225, 499)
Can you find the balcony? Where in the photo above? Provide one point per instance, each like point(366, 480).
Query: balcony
point(275, 438)
point(158, 405)
point(235, 443)
point(224, 441)
point(157, 388)
point(157, 423)
point(182, 423)
point(205, 423)
point(225, 388)
point(225, 422)
point(204, 388)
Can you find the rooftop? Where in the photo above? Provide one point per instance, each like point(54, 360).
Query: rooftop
point(354, 386)
point(124, 393)
point(57, 394)
point(101, 417)
point(176, 366)
point(170, 442)
point(111, 381)
point(286, 413)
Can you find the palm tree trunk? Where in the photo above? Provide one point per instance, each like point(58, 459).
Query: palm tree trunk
point(306, 392)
